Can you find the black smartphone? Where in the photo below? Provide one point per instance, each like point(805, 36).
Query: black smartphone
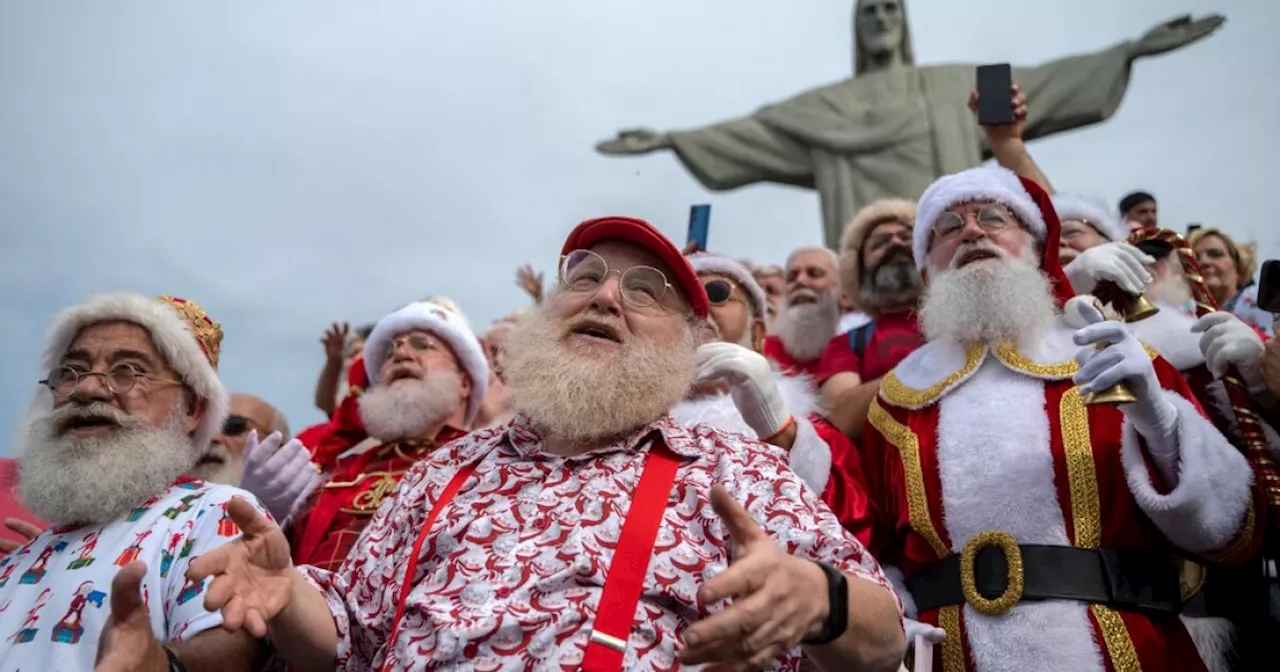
point(1269, 286)
point(995, 94)
point(699, 223)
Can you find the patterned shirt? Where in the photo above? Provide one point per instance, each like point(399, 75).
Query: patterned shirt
point(511, 576)
point(55, 591)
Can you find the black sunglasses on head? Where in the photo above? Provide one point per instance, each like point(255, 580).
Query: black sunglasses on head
point(235, 425)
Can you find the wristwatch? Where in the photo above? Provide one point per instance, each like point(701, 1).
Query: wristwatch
point(838, 606)
point(175, 665)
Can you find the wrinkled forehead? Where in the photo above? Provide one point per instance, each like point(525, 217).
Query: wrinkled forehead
point(810, 259)
point(113, 340)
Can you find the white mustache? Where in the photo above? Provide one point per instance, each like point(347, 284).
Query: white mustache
point(63, 417)
point(980, 244)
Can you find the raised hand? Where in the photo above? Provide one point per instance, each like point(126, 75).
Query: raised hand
point(24, 529)
point(778, 599)
point(751, 380)
point(1176, 33)
point(252, 576)
point(530, 281)
point(634, 141)
point(278, 475)
point(127, 643)
point(998, 133)
point(335, 341)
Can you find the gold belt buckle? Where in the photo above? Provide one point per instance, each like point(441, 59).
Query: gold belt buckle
point(969, 581)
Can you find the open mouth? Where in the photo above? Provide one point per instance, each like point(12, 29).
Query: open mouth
point(402, 374)
point(979, 254)
point(88, 423)
point(801, 300)
point(598, 330)
point(211, 458)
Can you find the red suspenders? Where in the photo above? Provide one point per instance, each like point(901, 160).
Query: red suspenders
point(625, 580)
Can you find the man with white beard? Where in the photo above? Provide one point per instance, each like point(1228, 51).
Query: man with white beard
point(808, 314)
point(427, 379)
point(738, 391)
point(131, 401)
point(1040, 532)
point(591, 532)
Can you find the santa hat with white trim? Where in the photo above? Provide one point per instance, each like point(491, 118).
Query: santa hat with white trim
point(183, 333)
point(708, 262)
point(447, 324)
point(1024, 198)
point(1092, 212)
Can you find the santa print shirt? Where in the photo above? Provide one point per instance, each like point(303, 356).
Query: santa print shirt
point(894, 336)
point(55, 591)
point(513, 571)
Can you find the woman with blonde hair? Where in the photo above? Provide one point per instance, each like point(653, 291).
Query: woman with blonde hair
point(1228, 269)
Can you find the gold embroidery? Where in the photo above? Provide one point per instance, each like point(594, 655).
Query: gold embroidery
point(908, 445)
point(208, 334)
point(1008, 353)
point(900, 394)
point(1082, 476)
point(367, 501)
point(953, 645)
point(1124, 657)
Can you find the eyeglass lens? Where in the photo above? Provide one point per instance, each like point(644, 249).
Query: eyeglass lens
point(584, 270)
point(718, 291)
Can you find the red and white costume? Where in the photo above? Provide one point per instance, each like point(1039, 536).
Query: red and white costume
point(512, 572)
point(822, 456)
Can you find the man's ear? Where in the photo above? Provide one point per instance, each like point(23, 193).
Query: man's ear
point(196, 408)
point(757, 335)
point(465, 388)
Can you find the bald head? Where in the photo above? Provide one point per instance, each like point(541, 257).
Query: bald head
point(224, 463)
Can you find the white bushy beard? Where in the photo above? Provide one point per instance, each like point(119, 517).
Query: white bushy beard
point(66, 479)
point(891, 286)
point(228, 471)
point(407, 408)
point(585, 400)
point(987, 301)
point(806, 329)
point(1172, 288)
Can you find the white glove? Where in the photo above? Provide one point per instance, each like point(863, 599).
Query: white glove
point(1124, 359)
point(1227, 342)
point(752, 385)
point(279, 478)
point(1121, 263)
point(914, 628)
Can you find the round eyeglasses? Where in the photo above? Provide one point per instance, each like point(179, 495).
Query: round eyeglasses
point(992, 218)
point(584, 271)
point(119, 379)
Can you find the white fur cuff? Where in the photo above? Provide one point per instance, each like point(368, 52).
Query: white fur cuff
point(1204, 512)
point(810, 457)
point(899, 584)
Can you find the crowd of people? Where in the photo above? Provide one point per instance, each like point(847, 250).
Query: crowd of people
point(1001, 428)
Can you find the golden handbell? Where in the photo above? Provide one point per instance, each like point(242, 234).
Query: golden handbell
point(1119, 393)
point(1138, 307)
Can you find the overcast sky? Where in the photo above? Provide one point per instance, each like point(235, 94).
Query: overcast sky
point(287, 164)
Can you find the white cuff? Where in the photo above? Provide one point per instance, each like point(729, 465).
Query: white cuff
point(1204, 511)
point(810, 457)
point(899, 585)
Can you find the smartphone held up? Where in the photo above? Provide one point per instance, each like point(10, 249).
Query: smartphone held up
point(995, 94)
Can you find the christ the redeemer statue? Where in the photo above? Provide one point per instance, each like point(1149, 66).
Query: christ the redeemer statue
point(893, 128)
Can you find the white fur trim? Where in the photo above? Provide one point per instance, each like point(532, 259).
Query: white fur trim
point(1169, 332)
point(799, 394)
point(1092, 210)
point(1204, 512)
point(899, 584)
point(1214, 639)
point(716, 411)
point(172, 337)
point(443, 322)
point(931, 364)
point(810, 456)
point(706, 262)
point(999, 418)
point(982, 183)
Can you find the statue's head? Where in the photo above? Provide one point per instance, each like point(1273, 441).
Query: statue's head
point(879, 30)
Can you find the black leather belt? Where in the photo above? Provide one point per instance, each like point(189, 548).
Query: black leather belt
point(994, 573)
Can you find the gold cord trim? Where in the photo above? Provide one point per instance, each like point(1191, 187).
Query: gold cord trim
point(908, 445)
point(1124, 657)
point(953, 644)
point(1082, 476)
point(900, 394)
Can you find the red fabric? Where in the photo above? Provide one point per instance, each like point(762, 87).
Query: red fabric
point(1049, 262)
point(1161, 643)
point(645, 235)
point(777, 353)
point(10, 507)
point(895, 336)
point(846, 493)
point(327, 526)
point(328, 440)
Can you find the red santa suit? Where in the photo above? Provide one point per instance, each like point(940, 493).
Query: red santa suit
point(991, 445)
point(821, 455)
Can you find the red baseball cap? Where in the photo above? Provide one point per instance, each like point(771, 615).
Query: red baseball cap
point(644, 234)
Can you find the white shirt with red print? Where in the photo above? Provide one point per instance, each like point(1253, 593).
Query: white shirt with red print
point(512, 572)
point(55, 591)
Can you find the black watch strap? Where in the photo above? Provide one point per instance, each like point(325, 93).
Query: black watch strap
point(838, 611)
point(175, 665)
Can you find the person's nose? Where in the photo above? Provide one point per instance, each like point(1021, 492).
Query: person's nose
point(971, 231)
point(608, 297)
point(92, 387)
